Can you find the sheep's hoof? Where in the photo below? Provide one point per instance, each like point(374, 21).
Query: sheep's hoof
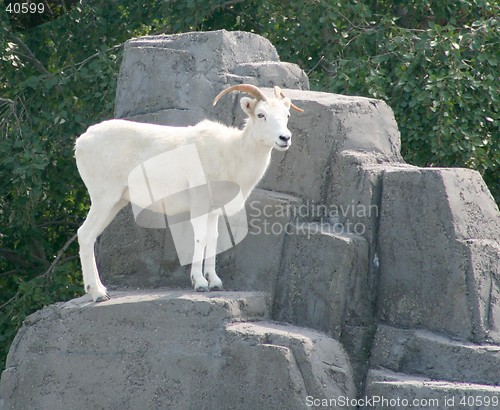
point(214, 282)
point(202, 289)
point(103, 298)
point(97, 293)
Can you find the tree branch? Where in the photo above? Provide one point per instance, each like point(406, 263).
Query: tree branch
point(83, 62)
point(6, 101)
point(59, 255)
point(46, 274)
point(27, 52)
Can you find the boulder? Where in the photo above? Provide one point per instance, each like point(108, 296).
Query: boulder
point(173, 79)
point(439, 248)
point(169, 349)
point(427, 354)
point(323, 282)
point(387, 390)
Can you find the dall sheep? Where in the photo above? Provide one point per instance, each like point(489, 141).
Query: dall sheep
point(108, 152)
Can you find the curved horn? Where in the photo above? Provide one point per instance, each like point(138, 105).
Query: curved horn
point(279, 94)
point(246, 88)
point(292, 105)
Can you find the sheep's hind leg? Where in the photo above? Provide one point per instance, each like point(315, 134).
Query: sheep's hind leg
point(214, 282)
point(98, 218)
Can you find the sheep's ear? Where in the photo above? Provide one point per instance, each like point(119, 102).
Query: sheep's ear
point(248, 105)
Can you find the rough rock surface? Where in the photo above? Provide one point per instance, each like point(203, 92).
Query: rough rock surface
point(173, 79)
point(455, 288)
point(423, 353)
point(169, 349)
point(388, 390)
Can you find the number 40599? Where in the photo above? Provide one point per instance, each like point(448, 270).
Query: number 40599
point(25, 8)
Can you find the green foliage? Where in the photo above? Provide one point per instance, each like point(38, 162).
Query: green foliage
point(434, 62)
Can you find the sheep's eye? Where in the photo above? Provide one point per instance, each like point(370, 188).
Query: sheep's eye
point(260, 115)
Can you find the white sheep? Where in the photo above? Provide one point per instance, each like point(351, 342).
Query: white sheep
point(108, 152)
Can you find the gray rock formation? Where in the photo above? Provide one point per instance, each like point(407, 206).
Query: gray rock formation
point(387, 274)
point(444, 275)
point(170, 350)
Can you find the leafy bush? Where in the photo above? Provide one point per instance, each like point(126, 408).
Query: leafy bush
point(434, 62)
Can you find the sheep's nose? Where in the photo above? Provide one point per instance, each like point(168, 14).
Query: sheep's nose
point(285, 138)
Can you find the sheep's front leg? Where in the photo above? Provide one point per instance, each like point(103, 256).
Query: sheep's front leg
point(199, 225)
point(214, 282)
